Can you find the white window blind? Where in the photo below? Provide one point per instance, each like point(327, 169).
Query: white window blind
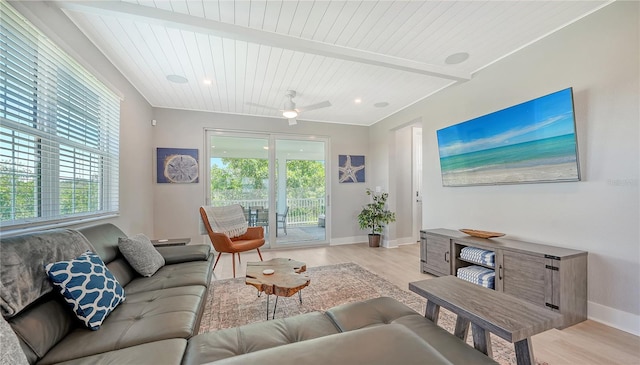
point(59, 130)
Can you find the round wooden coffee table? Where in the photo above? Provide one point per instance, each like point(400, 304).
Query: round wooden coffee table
point(285, 281)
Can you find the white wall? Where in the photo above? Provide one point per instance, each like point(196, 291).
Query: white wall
point(176, 205)
point(599, 57)
point(136, 214)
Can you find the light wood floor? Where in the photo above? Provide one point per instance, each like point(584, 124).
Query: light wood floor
point(588, 342)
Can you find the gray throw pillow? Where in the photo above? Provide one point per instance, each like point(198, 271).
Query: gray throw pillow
point(141, 255)
point(11, 353)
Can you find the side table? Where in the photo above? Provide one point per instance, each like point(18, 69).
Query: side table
point(171, 242)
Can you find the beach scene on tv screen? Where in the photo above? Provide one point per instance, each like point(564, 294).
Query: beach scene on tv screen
point(530, 142)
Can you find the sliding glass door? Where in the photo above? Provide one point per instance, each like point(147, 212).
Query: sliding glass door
point(301, 191)
point(280, 181)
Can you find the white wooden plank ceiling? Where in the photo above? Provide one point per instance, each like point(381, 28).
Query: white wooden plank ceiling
point(254, 51)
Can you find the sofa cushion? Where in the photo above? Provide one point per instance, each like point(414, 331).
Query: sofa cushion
point(161, 352)
point(11, 353)
point(22, 276)
point(213, 346)
point(142, 318)
point(104, 238)
point(88, 286)
point(140, 253)
point(43, 324)
point(382, 345)
point(171, 276)
point(383, 311)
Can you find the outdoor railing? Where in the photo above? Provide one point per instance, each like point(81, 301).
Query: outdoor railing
point(302, 211)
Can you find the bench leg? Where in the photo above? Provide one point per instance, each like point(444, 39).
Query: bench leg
point(481, 340)
point(432, 312)
point(524, 352)
point(462, 328)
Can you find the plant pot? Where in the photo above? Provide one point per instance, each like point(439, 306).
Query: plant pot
point(374, 240)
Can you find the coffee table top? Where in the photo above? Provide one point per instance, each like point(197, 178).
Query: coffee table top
point(284, 282)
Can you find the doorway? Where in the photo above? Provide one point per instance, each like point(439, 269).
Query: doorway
point(407, 184)
point(279, 180)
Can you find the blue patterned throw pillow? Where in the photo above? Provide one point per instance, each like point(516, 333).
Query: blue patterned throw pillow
point(88, 286)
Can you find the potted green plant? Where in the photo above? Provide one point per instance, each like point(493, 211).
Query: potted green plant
point(374, 216)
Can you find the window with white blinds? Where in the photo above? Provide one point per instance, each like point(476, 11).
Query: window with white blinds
point(59, 130)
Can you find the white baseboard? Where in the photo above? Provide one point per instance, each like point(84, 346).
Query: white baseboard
point(389, 243)
point(615, 318)
point(406, 240)
point(348, 240)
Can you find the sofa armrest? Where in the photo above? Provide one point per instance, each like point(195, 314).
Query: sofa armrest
point(178, 254)
point(380, 345)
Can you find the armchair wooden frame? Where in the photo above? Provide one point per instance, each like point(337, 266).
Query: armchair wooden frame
point(252, 239)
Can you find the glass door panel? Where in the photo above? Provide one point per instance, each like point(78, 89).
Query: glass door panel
point(239, 174)
point(261, 172)
point(300, 196)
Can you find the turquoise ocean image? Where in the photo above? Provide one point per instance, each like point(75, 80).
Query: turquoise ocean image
point(530, 142)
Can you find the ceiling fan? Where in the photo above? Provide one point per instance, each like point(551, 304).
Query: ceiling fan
point(290, 111)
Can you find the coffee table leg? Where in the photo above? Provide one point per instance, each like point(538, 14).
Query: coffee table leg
point(274, 309)
point(524, 352)
point(268, 306)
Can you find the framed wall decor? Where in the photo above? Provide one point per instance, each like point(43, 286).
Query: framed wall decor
point(532, 142)
point(350, 169)
point(177, 165)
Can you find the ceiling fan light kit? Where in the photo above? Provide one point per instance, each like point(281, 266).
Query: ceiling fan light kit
point(290, 114)
point(290, 111)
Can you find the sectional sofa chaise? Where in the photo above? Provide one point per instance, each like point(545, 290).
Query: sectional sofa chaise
point(158, 321)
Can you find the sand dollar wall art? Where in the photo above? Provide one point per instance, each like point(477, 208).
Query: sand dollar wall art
point(532, 142)
point(177, 165)
point(350, 169)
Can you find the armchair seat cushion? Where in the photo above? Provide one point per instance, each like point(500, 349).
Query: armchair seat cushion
point(246, 245)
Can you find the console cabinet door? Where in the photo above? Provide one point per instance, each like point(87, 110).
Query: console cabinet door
point(438, 255)
point(523, 276)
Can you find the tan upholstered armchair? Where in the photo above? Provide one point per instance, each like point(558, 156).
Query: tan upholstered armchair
point(253, 239)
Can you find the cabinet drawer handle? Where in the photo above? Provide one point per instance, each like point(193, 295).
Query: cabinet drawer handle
point(500, 272)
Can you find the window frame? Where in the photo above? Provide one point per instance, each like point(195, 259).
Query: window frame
point(72, 121)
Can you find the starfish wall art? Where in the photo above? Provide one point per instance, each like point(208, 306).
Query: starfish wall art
point(350, 169)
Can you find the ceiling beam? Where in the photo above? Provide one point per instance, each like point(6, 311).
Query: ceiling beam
point(201, 25)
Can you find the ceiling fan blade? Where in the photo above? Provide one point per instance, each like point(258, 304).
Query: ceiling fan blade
point(262, 106)
point(293, 121)
point(323, 104)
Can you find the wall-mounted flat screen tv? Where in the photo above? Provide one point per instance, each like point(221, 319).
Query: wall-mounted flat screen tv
point(532, 142)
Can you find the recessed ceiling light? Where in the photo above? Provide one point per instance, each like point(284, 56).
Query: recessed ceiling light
point(381, 104)
point(207, 81)
point(456, 58)
point(265, 147)
point(177, 79)
point(358, 101)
